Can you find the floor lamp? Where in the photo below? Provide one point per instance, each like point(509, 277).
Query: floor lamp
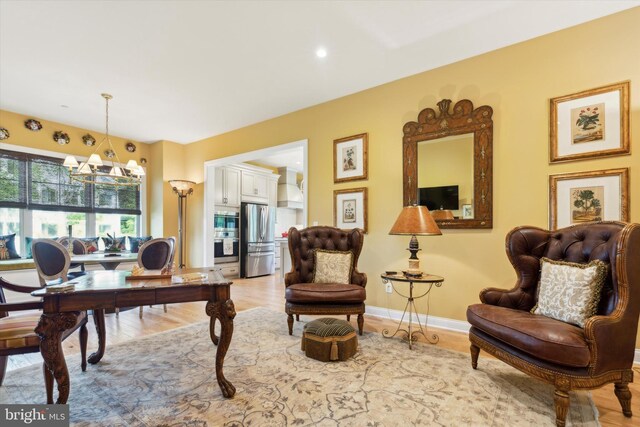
point(182, 189)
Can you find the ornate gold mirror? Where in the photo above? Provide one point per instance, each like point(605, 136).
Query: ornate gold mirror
point(448, 164)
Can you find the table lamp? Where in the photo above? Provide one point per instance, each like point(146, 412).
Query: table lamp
point(415, 220)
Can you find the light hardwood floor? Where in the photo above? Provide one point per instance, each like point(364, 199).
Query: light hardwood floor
point(269, 292)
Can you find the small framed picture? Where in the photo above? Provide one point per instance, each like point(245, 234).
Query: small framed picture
point(350, 208)
point(350, 158)
point(588, 196)
point(467, 211)
point(591, 123)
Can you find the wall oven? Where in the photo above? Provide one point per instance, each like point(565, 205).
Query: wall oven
point(226, 234)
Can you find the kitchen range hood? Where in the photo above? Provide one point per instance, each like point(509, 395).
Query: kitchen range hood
point(289, 195)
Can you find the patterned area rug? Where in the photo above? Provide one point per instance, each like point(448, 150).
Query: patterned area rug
point(169, 379)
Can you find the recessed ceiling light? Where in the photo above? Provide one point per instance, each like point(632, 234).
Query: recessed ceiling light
point(321, 52)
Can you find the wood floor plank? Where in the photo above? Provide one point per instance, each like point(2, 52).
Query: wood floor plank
point(269, 292)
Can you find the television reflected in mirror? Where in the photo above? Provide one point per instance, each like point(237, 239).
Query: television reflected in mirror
point(439, 198)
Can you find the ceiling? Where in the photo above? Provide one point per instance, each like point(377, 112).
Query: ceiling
point(187, 70)
point(292, 158)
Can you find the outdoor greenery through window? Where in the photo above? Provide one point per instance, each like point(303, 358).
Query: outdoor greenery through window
point(38, 199)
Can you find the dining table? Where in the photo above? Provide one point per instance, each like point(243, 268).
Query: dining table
point(111, 289)
point(108, 261)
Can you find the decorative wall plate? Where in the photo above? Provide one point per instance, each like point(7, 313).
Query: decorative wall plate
point(130, 146)
point(33, 125)
point(4, 134)
point(143, 161)
point(109, 153)
point(89, 140)
point(61, 137)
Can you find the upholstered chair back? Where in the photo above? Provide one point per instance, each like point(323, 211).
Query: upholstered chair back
point(78, 247)
point(156, 254)
point(51, 259)
point(579, 243)
point(302, 244)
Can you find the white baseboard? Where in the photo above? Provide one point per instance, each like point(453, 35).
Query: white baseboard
point(435, 321)
point(441, 322)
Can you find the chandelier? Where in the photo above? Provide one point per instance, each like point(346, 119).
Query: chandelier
point(95, 171)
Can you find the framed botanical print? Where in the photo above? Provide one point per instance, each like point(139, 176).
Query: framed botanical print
point(591, 123)
point(350, 208)
point(350, 158)
point(588, 196)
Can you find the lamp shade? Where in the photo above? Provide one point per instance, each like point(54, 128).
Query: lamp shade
point(415, 220)
point(182, 185)
point(70, 162)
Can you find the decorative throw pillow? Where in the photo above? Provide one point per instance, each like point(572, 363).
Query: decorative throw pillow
point(27, 247)
point(91, 243)
point(136, 242)
point(568, 291)
point(8, 247)
point(332, 266)
point(120, 242)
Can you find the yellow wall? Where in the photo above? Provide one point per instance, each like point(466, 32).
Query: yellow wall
point(517, 82)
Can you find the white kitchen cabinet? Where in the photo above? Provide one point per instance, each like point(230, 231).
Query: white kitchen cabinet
point(255, 185)
point(273, 192)
point(227, 187)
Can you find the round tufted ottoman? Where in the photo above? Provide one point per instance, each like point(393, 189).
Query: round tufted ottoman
point(329, 339)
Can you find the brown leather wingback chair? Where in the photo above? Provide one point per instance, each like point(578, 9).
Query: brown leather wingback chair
point(305, 297)
point(564, 355)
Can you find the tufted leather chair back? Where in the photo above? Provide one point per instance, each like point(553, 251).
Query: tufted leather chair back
point(302, 244)
point(579, 243)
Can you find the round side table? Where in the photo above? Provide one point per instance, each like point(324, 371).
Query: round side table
point(427, 280)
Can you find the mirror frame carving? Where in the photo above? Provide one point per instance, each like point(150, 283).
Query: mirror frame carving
point(432, 125)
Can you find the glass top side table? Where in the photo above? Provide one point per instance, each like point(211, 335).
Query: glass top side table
point(428, 280)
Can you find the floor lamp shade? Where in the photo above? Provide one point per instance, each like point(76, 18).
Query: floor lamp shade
point(182, 188)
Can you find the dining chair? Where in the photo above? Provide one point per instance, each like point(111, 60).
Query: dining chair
point(78, 249)
point(17, 331)
point(157, 254)
point(52, 261)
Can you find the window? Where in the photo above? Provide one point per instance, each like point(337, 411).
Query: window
point(122, 225)
point(12, 179)
point(10, 223)
point(38, 199)
point(47, 224)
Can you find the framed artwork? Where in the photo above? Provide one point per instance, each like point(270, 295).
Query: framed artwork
point(350, 208)
point(588, 196)
point(467, 211)
point(588, 124)
point(350, 158)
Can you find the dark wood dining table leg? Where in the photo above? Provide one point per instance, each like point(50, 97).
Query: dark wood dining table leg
point(50, 329)
point(224, 311)
point(98, 320)
point(212, 330)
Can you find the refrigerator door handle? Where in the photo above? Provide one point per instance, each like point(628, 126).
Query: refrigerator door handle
point(263, 221)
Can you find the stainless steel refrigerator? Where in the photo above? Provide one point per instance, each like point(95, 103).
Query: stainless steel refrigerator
point(257, 256)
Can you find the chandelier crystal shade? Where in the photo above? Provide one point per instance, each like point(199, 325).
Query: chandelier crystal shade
point(109, 172)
